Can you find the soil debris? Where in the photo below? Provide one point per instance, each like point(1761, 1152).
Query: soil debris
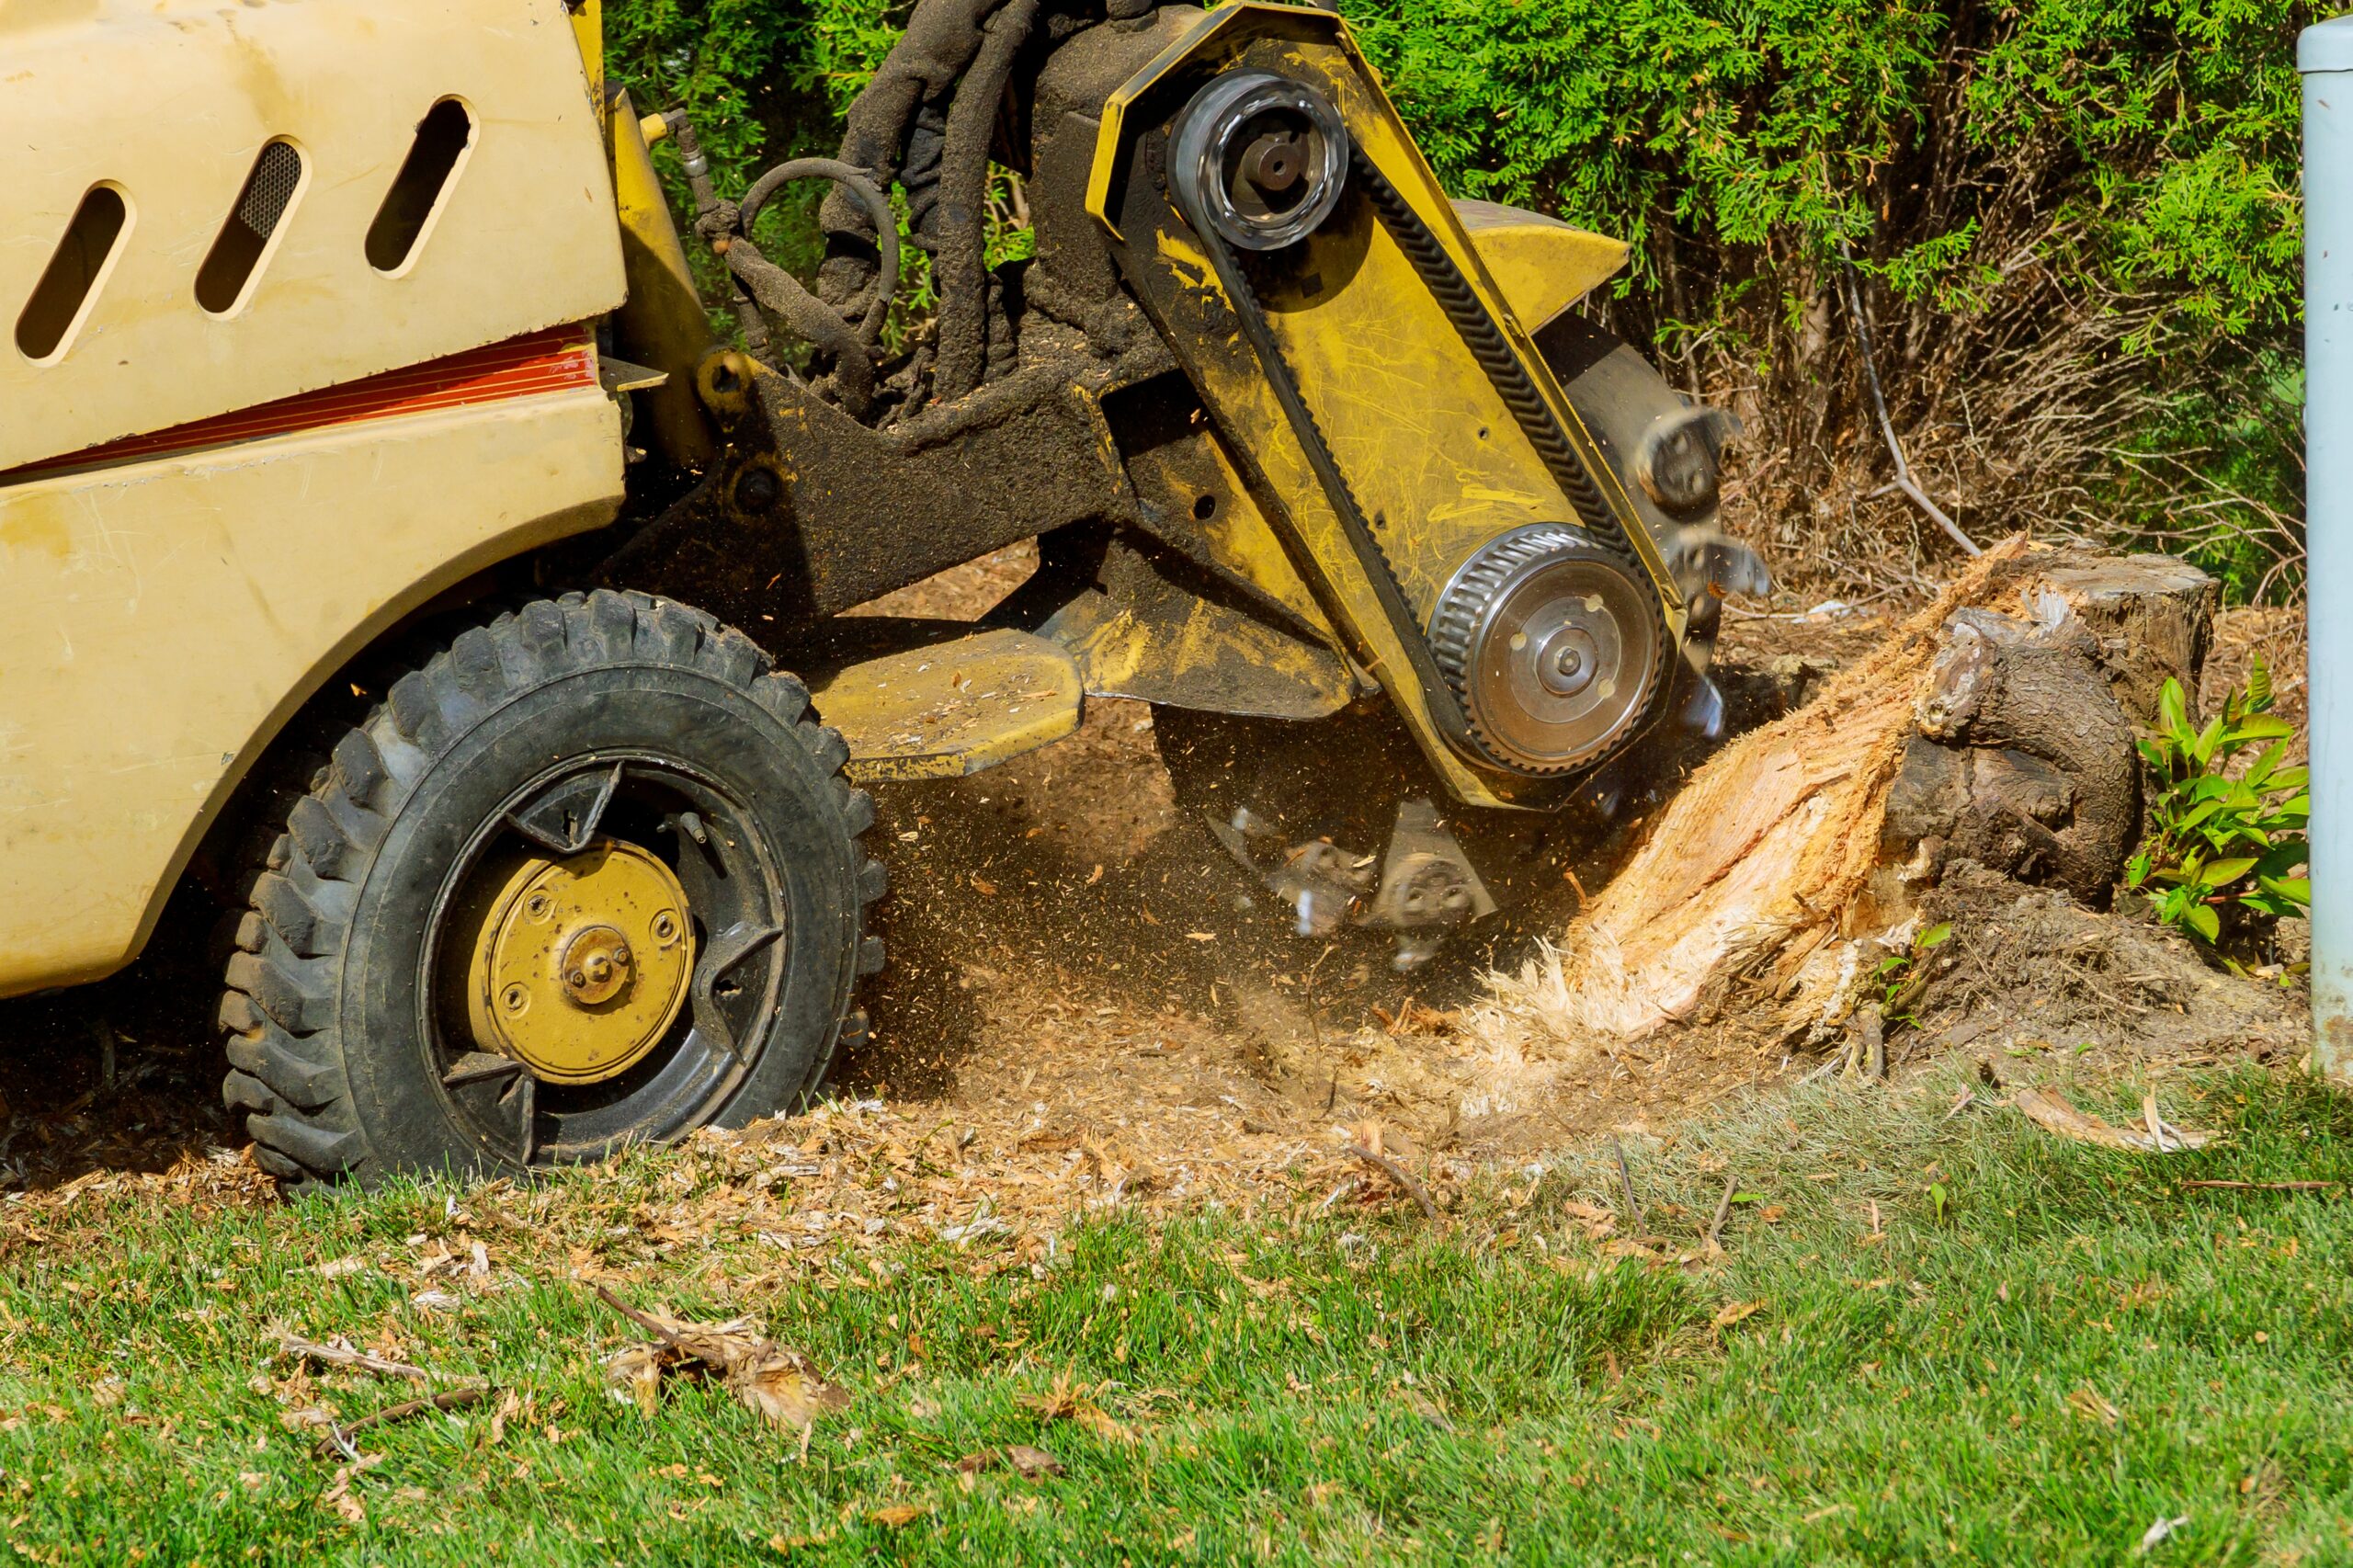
point(2035, 973)
point(1062, 1047)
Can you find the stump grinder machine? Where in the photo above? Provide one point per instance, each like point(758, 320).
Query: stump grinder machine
point(395, 548)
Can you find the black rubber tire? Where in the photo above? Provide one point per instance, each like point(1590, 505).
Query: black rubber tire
point(331, 1046)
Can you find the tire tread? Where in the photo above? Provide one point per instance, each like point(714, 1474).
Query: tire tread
point(287, 1078)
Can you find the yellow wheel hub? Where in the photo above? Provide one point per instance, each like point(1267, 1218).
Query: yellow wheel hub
point(580, 965)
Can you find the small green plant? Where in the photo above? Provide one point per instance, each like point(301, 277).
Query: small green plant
point(2223, 840)
point(1901, 979)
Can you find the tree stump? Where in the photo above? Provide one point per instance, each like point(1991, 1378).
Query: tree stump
point(2022, 761)
point(1996, 726)
point(2154, 617)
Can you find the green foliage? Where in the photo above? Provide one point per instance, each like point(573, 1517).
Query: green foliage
point(765, 83)
point(2045, 160)
point(1755, 123)
point(2238, 431)
point(2137, 158)
point(2222, 838)
point(762, 82)
point(1775, 123)
point(2184, 114)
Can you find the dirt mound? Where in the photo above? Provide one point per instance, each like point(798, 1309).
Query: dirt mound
point(1079, 974)
point(2029, 971)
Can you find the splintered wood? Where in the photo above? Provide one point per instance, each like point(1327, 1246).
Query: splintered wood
point(1770, 868)
point(1760, 859)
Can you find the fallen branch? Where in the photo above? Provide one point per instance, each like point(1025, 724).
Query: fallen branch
point(1626, 1179)
point(2051, 1111)
point(781, 1384)
point(342, 1353)
point(1397, 1173)
point(1724, 1212)
point(651, 1326)
point(2265, 1186)
point(338, 1439)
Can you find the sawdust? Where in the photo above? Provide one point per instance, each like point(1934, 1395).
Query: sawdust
point(1088, 1004)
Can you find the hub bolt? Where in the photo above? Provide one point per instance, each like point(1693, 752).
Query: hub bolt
point(595, 966)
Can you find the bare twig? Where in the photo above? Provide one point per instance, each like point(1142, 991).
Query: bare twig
point(338, 1354)
point(1398, 1174)
point(1315, 1025)
point(1904, 480)
point(651, 1326)
point(1724, 1212)
point(2267, 1185)
point(338, 1439)
point(2052, 1111)
point(1626, 1179)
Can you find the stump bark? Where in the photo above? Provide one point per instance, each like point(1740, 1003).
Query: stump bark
point(2022, 759)
point(1996, 726)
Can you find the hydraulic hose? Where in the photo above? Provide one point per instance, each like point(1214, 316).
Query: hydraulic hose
point(961, 260)
point(867, 195)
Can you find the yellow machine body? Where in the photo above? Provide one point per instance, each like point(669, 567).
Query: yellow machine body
point(1435, 457)
point(205, 514)
point(323, 314)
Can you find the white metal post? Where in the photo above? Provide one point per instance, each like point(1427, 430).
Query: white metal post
point(2325, 55)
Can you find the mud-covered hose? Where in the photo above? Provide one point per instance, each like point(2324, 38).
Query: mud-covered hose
point(867, 195)
point(961, 260)
point(941, 39)
point(780, 293)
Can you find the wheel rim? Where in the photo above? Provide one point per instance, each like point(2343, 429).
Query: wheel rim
point(578, 964)
point(644, 921)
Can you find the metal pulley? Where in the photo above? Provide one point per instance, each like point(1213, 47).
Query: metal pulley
point(1260, 158)
point(1550, 645)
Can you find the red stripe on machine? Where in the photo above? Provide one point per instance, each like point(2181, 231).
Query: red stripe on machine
point(557, 360)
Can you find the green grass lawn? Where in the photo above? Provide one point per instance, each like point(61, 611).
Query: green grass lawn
point(2036, 1350)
